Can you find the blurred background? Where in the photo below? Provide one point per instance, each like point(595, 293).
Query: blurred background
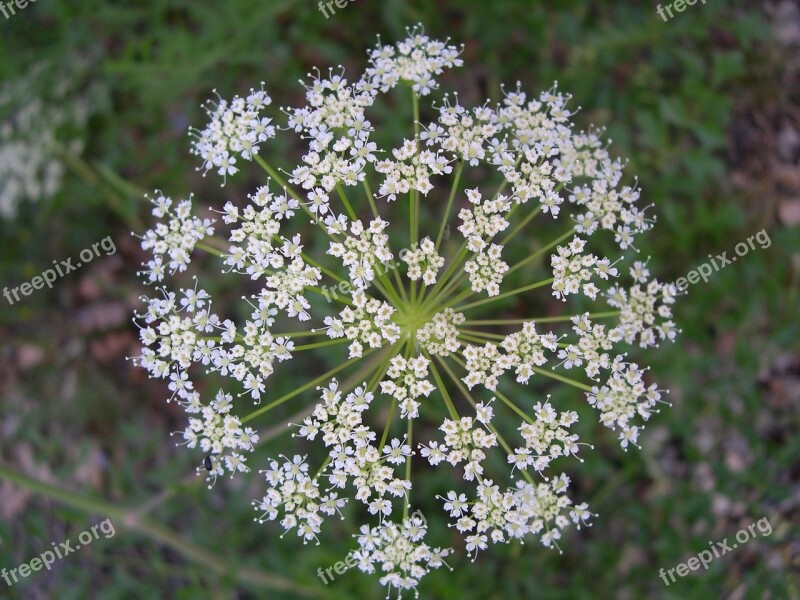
point(96, 98)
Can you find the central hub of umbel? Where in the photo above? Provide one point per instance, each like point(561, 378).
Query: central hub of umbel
point(410, 318)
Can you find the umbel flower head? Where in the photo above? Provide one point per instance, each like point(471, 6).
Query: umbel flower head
point(43, 123)
point(353, 257)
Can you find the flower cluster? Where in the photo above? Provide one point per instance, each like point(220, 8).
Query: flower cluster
point(514, 513)
point(397, 550)
point(218, 433)
point(441, 353)
point(463, 133)
point(464, 441)
point(484, 221)
point(297, 494)
point(485, 364)
point(410, 170)
point(175, 239)
point(642, 309)
point(42, 130)
point(368, 322)
point(546, 438)
point(424, 262)
point(335, 122)
point(439, 336)
point(486, 270)
point(526, 349)
point(406, 383)
point(236, 129)
point(573, 270)
point(355, 459)
point(415, 61)
point(363, 250)
point(622, 397)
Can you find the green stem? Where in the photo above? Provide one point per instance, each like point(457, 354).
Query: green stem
point(346, 202)
point(472, 339)
point(493, 336)
point(320, 344)
point(524, 222)
point(527, 288)
point(454, 283)
point(280, 180)
point(387, 291)
point(412, 218)
point(450, 200)
point(561, 378)
point(561, 318)
point(133, 521)
point(293, 334)
point(462, 296)
point(370, 197)
point(324, 464)
point(434, 294)
point(541, 251)
point(379, 373)
point(409, 441)
point(399, 282)
point(504, 184)
point(300, 390)
point(387, 283)
point(388, 424)
point(415, 108)
point(527, 418)
point(211, 249)
point(316, 264)
point(445, 394)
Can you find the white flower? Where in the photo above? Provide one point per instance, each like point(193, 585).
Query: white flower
point(368, 322)
point(363, 251)
point(422, 354)
point(172, 243)
point(236, 129)
point(396, 549)
point(439, 336)
point(406, 383)
point(45, 115)
point(415, 60)
point(424, 262)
